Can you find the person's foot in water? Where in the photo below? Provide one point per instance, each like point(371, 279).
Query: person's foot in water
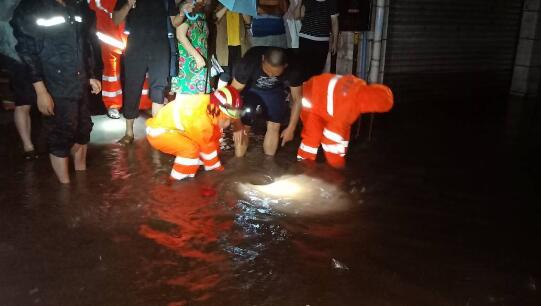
point(126, 140)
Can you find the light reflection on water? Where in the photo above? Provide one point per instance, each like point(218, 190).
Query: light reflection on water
point(185, 248)
point(428, 231)
point(237, 240)
point(296, 194)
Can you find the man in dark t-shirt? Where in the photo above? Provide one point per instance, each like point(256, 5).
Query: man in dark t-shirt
point(147, 51)
point(263, 75)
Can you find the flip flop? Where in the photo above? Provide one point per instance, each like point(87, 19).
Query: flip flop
point(126, 140)
point(30, 155)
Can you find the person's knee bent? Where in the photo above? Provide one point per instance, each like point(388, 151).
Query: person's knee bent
point(23, 109)
point(273, 127)
point(225, 77)
point(157, 95)
point(130, 112)
point(60, 149)
point(83, 135)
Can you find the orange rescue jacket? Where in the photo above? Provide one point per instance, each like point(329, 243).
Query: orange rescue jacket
point(343, 99)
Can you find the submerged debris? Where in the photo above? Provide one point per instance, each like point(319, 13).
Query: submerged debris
point(338, 265)
point(531, 284)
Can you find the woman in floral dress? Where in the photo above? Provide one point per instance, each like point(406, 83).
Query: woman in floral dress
point(192, 36)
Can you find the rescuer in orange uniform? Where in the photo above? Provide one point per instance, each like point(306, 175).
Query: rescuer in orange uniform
point(113, 41)
point(330, 105)
point(191, 129)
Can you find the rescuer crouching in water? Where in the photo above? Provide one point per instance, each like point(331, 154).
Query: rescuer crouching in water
point(330, 105)
point(191, 130)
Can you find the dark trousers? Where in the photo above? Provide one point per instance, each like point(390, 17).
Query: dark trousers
point(137, 62)
point(233, 57)
point(71, 124)
point(314, 56)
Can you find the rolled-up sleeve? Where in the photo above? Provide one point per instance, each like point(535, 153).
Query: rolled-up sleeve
point(29, 39)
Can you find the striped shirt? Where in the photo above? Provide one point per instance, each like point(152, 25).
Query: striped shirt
point(316, 24)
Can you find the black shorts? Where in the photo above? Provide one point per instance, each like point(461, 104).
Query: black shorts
point(71, 124)
point(272, 104)
point(19, 81)
point(23, 90)
point(155, 62)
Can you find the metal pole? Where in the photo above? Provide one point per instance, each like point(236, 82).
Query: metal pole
point(370, 128)
point(376, 50)
point(356, 40)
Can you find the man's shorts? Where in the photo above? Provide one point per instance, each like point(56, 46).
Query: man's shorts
point(70, 124)
point(23, 90)
point(19, 80)
point(272, 104)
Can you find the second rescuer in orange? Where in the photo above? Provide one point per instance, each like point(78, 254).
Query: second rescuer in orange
point(191, 130)
point(112, 42)
point(330, 105)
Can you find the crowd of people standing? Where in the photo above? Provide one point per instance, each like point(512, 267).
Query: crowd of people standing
point(172, 52)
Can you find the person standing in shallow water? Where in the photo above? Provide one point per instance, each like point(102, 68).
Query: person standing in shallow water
point(53, 41)
point(147, 50)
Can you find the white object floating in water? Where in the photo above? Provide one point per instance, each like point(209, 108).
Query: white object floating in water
point(338, 265)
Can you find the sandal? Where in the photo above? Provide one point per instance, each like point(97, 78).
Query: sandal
point(126, 140)
point(113, 113)
point(30, 155)
point(148, 112)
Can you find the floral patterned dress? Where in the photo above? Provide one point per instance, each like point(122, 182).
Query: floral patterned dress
point(190, 79)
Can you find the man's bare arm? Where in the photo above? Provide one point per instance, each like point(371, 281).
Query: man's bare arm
point(120, 15)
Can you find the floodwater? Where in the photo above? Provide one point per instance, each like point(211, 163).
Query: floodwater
point(422, 216)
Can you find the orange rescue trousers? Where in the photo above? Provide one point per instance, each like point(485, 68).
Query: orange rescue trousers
point(189, 157)
point(330, 105)
point(318, 132)
point(112, 88)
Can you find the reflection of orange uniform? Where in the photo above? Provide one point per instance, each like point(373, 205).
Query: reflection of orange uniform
point(331, 104)
point(186, 130)
point(112, 42)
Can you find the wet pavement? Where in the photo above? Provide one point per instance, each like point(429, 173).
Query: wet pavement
point(438, 209)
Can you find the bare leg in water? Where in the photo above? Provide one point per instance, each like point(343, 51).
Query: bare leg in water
point(60, 167)
point(24, 127)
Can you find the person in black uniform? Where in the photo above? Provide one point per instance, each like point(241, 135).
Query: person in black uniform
point(53, 40)
point(147, 50)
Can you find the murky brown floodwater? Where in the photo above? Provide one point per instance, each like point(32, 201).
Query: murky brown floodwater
point(402, 226)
